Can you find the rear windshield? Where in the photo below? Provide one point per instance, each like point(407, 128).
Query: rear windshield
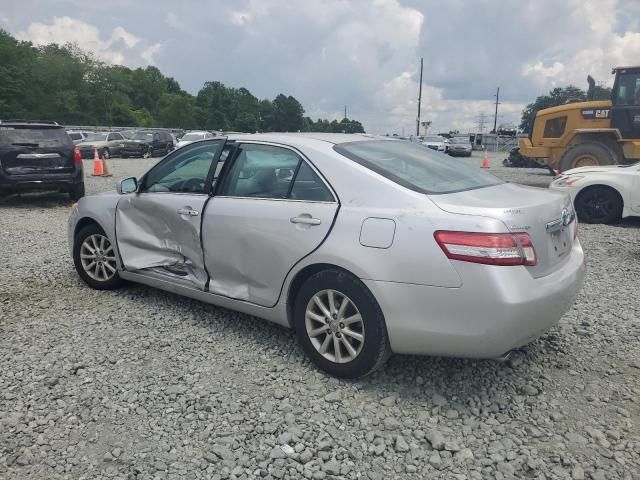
point(417, 167)
point(34, 137)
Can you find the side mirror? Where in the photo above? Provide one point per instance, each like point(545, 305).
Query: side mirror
point(127, 185)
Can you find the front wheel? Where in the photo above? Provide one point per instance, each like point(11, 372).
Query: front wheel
point(340, 325)
point(95, 259)
point(599, 204)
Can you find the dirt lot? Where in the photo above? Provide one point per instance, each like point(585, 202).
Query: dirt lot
point(142, 384)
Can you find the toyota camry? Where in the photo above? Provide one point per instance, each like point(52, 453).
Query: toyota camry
point(363, 245)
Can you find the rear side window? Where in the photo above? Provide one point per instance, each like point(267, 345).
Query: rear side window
point(35, 137)
point(416, 167)
point(75, 136)
point(554, 128)
point(308, 186)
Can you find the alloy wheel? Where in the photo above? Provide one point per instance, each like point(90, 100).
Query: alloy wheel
point(98, 258)
point(334, 326)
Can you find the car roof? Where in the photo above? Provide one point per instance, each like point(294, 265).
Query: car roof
point(30, 123)
point(307, 138)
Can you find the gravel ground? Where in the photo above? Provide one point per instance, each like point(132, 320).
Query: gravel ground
point(142, 384)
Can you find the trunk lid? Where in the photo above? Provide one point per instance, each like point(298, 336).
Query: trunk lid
point(547, 216)
point(28, 150)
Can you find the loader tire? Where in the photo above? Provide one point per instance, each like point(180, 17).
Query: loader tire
point(588, 154)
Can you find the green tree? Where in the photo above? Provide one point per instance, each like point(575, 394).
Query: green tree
point(176, 111)
point(287, 114)
point(557, 96)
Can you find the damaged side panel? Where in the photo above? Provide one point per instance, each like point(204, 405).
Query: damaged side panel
point(159, 234)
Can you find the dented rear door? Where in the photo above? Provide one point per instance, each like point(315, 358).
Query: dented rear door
point(158, 228)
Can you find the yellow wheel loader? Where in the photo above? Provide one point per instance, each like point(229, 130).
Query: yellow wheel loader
point(591, 133)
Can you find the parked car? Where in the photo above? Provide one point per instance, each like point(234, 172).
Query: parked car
point(602, 194)
point(460, 147)
point(364, 245)
point(507, 129)
point(77, 137)
point(39, 156)
point(148, 143)
point(107, 143)
point(435, 142)
point(193, 136)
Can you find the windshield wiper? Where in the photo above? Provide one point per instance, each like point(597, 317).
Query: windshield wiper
point(26, 144)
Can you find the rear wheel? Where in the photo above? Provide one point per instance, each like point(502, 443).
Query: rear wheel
point(599, 204)
point(105, 153)
point(95, 259)
point(76, 192)
point(587, 154)
point(340, 325)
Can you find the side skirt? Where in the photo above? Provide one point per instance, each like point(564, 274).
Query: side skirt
point(276, 314)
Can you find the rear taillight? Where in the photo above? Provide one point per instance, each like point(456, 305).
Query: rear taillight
point(487, 248)
point(77, 157)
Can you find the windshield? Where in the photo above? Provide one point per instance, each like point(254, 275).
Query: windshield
point(143, 136)
point(434, 139)
point(96, 137)
point(461, 140)
point(190, 137)
point(415, 167)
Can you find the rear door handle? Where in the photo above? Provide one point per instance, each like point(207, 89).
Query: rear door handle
point(306, 220)
point(188, 211)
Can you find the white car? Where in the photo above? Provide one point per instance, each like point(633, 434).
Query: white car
point(189, 137)
point(602, 194)
point(435, 142)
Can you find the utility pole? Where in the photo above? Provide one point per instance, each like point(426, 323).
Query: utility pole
point(345, 111)
point(495, 117)
point(419, 101)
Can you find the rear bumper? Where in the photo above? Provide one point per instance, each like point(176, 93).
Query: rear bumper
point(495, 310)
point(40, 181)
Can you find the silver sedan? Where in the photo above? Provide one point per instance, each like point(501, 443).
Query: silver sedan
point(365, 246)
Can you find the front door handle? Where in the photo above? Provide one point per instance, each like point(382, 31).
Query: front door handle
point(306, 220)
point(188, 211)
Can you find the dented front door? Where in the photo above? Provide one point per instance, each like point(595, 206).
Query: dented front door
point(158, 227)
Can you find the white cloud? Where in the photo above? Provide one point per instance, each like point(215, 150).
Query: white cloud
point(122, 47)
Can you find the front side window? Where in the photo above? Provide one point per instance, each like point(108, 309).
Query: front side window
point(415, 167)
point(185, 171)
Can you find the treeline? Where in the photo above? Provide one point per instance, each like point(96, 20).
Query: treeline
point(67, 85)
point(560, 96)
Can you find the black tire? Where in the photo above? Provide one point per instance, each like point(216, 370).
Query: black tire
point(122, 155)
point(112, 283)
point(587, 154)
point(106, 154)
point(599, 204)
point(76, 192)
point(375, 348)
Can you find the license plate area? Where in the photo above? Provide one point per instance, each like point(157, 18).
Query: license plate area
point(560, 242)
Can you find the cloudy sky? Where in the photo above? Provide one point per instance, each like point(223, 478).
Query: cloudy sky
point(363, 53)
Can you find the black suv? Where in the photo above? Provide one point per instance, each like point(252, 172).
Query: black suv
point(147, 143)
point(39, 156)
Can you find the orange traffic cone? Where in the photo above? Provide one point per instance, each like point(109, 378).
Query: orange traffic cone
point(485, 160)
point(105, 169)
point(97, 164)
